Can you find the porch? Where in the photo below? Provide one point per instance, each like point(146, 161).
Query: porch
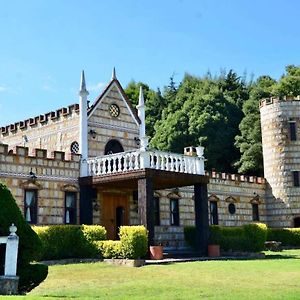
point(145, 172)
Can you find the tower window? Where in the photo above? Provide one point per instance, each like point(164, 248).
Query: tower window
point(30, 206)
point(293, 133)
point(255, 212)
point(296, 178)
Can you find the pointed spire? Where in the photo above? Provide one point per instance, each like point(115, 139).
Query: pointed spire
point(141, 97)
point(113, 75)
point(82, 84)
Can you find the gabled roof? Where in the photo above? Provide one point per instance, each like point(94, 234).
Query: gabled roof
point(116, 82)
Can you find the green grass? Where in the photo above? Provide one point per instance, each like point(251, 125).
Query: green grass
point(277, 277)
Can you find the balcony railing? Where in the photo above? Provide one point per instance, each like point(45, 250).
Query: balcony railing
point(137, 160)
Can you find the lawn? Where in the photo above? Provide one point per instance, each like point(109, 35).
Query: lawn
point(276, 277)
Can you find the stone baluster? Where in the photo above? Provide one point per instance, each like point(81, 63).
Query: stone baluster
point(130, 162)
point(114, 166)
point(167, 162)
point(125, 166)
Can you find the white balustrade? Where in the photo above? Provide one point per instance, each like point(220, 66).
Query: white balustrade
point(137, 160)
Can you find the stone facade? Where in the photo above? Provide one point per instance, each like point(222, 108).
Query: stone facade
point(233, 200)
point(280, 119)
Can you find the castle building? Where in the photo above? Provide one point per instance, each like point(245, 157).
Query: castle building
point(93, 165)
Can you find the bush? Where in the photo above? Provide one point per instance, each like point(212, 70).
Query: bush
point(134, 241)
point(287, 236)
point(31, 276)
point(109, 249)
point(133, 244)
point(250, 237)
point(70, 241)
point(30, 246)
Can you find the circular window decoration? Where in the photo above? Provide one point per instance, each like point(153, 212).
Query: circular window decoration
point(231, 208)
point(74, 148)
point(114, 110)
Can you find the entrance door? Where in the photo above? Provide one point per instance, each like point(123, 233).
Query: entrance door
point(115, 213)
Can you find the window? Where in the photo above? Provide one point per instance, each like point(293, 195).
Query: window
point(293, 132)
point(213, 207)
point(30, 206)
point(296, 178)
point(70, 208)
point(231, 208)
point(255, 212)
point(174, 212)
point(156, 211)
point(74, 148)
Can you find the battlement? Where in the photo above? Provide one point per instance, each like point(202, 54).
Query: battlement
point(271, 100)
point(41, 119)
point(235, 177)
point(20, 151)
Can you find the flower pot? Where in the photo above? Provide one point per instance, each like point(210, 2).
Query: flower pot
point(213, 250)
point(156, 252)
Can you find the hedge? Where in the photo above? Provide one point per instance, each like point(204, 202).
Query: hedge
point(250, 237)
point(70, 241)
point(133, 244)
point(30, 246)
point(287, 236)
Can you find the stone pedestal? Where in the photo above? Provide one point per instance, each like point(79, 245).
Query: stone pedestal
point(9, 285)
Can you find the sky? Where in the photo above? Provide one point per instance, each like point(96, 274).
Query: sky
point(44, 45)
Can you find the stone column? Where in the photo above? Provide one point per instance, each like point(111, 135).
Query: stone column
point(86, 204)
point(146, 206)
point(201, 217)
point(11, 253)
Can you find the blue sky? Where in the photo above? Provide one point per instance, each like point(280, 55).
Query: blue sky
point(45, 45)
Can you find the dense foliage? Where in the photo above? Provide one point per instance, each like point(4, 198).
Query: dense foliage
point(221, 113)
point(249, 238)
point(287, 236)
point(133, 244)
point(30, 246)
point(70, 241)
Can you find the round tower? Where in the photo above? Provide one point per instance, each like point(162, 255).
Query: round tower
point(280, 127)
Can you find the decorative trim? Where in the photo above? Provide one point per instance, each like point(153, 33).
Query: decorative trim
point(213, 198)
point(231, 199)
point(108, 126)
point(69, 188)
point(174, 195)
point(256, 200)
point(31, 185)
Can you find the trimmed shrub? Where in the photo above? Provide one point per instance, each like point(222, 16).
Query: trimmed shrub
point(31, 276)
point(190, 236)
point(30, 246)
point(109, 249)
point(134, 241)
point(256, 235)
point(250, 237)
point(287, 236)
point(70, 241)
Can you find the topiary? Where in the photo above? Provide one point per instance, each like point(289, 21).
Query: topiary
point(30, 246)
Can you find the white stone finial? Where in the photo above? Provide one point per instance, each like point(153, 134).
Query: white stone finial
point(141, 113)
point(83, 126)
point(83, 89)
point(12, 229)
point(113, 75)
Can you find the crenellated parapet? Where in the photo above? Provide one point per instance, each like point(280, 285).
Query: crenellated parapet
point(19, 151)
point(235, 177)
point(43, 119)
point(272, 100)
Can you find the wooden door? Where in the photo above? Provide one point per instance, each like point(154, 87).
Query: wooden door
point(115, 213)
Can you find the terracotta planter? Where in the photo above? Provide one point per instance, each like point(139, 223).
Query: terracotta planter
point(213, 250)
point(156, 252)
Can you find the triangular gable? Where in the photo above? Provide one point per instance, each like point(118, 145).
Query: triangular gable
point(213, 198)
point(106, 91)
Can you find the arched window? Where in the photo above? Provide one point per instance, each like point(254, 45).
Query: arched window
point(113, 146)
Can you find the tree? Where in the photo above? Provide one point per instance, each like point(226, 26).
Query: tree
point(201, 113)
point(249, 140)
point(289, 84)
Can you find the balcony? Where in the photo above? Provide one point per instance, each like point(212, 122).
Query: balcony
point(136, 160)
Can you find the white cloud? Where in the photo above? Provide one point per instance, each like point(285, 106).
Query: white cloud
point(96, 87)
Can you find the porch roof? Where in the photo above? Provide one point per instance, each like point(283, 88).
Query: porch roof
point(129, 180)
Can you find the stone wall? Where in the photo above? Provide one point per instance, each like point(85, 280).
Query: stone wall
point(54, 176)
point(281, 158)
point(54, 131)
point(123, 128)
